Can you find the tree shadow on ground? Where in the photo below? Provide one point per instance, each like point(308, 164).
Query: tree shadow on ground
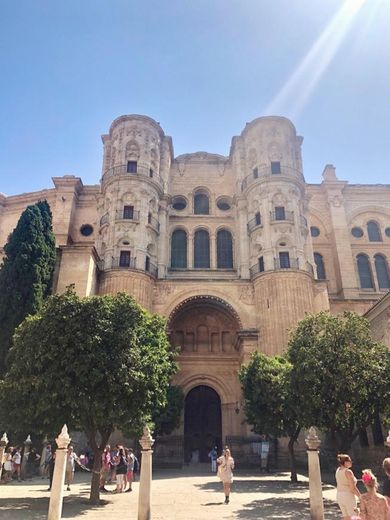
point(270, 486)
point(283, 509)
point(37, 508)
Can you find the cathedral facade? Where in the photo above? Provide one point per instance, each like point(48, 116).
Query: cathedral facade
point(232, 250)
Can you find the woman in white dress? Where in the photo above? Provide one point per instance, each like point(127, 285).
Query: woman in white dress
point(225, 471)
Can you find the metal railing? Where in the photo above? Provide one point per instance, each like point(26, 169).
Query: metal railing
point(265, 171)
point(254, 223)
point(288, 215)
point(152, 269)
point(131, 263)
point(292, 263)
point(154, 223)
point(121, 215)
point(105, 219)
point(143, 170)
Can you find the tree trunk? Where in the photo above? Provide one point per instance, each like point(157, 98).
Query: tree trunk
point(94, 496)
point(98, 448)
point(293, 462)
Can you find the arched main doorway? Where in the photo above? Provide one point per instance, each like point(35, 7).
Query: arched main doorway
point(202, 423)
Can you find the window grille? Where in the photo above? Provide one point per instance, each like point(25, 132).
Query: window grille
point(201, 249)
point(224, 249)
point(179, 249)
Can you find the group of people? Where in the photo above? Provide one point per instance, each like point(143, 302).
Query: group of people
point(12, 464)
point(373, 505)
point(119, 465)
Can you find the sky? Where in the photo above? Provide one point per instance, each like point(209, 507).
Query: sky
point(203, 69)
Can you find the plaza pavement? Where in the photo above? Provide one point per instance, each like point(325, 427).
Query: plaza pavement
point(189, 494)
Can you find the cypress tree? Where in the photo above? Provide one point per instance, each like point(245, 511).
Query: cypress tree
point(27, 271)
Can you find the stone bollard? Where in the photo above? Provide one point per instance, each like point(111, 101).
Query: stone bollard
point(45, 444)
point(315, 484)
point(145, 480)
point(3, 444)
point(57, 487)
point(27, 447)
point(387, 441)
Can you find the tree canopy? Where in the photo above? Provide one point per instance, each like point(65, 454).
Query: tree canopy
point(269, 403)
point(26, 272)
point(96, 364)
point(166, 419)
point(339, 374)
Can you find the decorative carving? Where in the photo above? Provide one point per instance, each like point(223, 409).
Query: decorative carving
point(335, 201)
point(247, 295)
point(274, 152)
point(161, 293)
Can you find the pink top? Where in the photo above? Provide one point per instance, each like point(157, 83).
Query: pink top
point(374, 507)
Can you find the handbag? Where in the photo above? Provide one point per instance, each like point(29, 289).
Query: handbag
point(221, 469)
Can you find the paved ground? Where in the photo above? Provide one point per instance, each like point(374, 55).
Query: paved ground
point(176, 495)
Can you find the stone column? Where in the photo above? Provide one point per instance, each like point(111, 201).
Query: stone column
point(333, 188)
point(213, 251)
point(163, 239)
point(242, 232)
point(145, 480)
point(26, 452)
point(43, 456)
point(57, 487)
point(315, 484)
point(3, 445)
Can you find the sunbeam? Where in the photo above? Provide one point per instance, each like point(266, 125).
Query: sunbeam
point(295, 93)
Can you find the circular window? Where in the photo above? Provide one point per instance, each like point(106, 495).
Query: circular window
point(224, 204)
point(314, 231)
point(86, 230)
point(387, 231)
point(357, 232)
point(179, 203)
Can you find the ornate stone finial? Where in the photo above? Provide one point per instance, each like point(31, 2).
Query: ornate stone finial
point(4, 439)
point(28, 440)
point(63, 439)
point(312, 440)
point(146, 440)
point(329, 173)
point(387, 441)
point(45, 440)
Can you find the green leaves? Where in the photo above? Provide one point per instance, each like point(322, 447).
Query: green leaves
point(339, 372)
point(27, 271)
point(95, 363)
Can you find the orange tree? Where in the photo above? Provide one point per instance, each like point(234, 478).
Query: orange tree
point(269, 403)
point(340, 374)
point(96, 364)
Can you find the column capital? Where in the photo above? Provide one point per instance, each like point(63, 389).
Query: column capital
point(63, 439)
point(146, 440)
point(312, 440)
point(4, 440)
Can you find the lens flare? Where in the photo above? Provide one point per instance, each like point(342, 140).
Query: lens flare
point(296, 92)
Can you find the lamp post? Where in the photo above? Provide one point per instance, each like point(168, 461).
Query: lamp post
point(315, 484)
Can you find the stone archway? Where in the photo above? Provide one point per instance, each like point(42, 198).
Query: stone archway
point(202, 423)
point(204, 325)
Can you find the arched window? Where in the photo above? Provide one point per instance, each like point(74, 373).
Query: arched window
point(179, 249)
point(374, 233)
point(201, 204)
point(201, 249)
point(224, 249)
point(382, 272)
point(321, 275)
point(364, 269)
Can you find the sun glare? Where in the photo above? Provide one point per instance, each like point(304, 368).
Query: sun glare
point(295, 93)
